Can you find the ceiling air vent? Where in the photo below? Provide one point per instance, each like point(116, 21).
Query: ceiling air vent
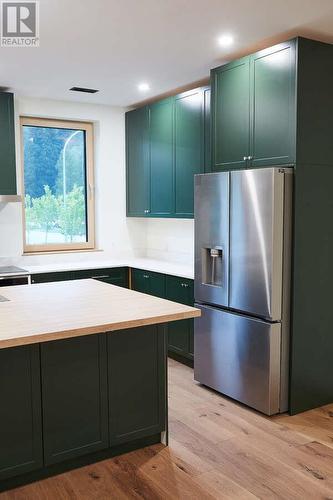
point(82, 89)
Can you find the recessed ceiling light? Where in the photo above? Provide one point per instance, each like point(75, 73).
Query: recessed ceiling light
point(143, 87)
point(225, 40)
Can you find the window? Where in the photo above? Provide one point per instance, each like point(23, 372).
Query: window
point(58, 185)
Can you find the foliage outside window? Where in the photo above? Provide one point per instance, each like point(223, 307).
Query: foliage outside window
point(58, 185)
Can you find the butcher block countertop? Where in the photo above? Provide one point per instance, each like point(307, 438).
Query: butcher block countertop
point(52, 311)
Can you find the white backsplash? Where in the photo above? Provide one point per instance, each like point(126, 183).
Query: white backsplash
point(170, 239)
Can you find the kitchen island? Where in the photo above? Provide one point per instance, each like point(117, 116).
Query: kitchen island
point(82, 375)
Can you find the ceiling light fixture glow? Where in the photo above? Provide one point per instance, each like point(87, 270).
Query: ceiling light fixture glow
point(143, 87)
point(225, 40)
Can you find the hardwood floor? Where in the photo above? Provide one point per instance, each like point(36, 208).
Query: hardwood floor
point(218, 450)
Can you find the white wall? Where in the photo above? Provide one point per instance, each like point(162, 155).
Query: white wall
point(116, 235)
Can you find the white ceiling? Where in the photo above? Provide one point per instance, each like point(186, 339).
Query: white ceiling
point(113, 45)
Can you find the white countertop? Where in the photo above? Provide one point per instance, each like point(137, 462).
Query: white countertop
point(159, 266)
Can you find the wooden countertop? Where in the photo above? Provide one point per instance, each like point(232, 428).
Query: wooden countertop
point(51, 311)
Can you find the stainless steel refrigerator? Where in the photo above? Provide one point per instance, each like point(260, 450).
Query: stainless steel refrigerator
point(243, 227)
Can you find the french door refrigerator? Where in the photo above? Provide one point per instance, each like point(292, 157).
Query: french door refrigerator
point(243, 232)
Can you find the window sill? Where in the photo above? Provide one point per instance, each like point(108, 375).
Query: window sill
point(57, 252)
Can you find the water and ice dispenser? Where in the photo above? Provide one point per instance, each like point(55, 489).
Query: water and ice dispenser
point(212, 266)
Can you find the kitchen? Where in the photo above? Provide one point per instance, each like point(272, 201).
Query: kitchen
point(196, 212)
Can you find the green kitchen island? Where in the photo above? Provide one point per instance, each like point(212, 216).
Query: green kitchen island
point(83, 375)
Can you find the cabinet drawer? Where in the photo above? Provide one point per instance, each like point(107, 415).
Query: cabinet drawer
point(48, 277)
point(115, 276)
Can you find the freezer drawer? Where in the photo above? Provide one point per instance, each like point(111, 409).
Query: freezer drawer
point(239, 356)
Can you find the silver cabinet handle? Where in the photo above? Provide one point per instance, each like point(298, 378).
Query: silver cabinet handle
point(100, 277)
point(146, 276)
point(245, 158)
point(147, 211)
point(185, 285)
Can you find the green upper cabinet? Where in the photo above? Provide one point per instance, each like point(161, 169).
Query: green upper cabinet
point(207, 131)
point(231, 114)
point(161, 158)
point(253, 109)
point(160, 177)
point(7, 145)
point(273, 103)
point(189, 148)
point(137, 162)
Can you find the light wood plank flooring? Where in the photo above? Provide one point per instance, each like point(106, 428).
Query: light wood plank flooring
point(218, 449)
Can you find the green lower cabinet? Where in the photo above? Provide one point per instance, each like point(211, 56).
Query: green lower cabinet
point(115, 276)
point(21, 448)
point(66, 399)
point(75, 397)
point(49, 277)
point(137, 383)
point(191, 338)
point(148, 282)
point(180, 333)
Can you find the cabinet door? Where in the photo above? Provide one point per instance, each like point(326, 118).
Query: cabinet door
point(74, 389)
point(180, 333)
point(231, 115)
point(161, 158)
point(7, 145)
point(189, 146)
point(137, 162)
point(20, 411)
point(273, 102)
point(137, 392)
point(148, 282)
point(207, 131)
